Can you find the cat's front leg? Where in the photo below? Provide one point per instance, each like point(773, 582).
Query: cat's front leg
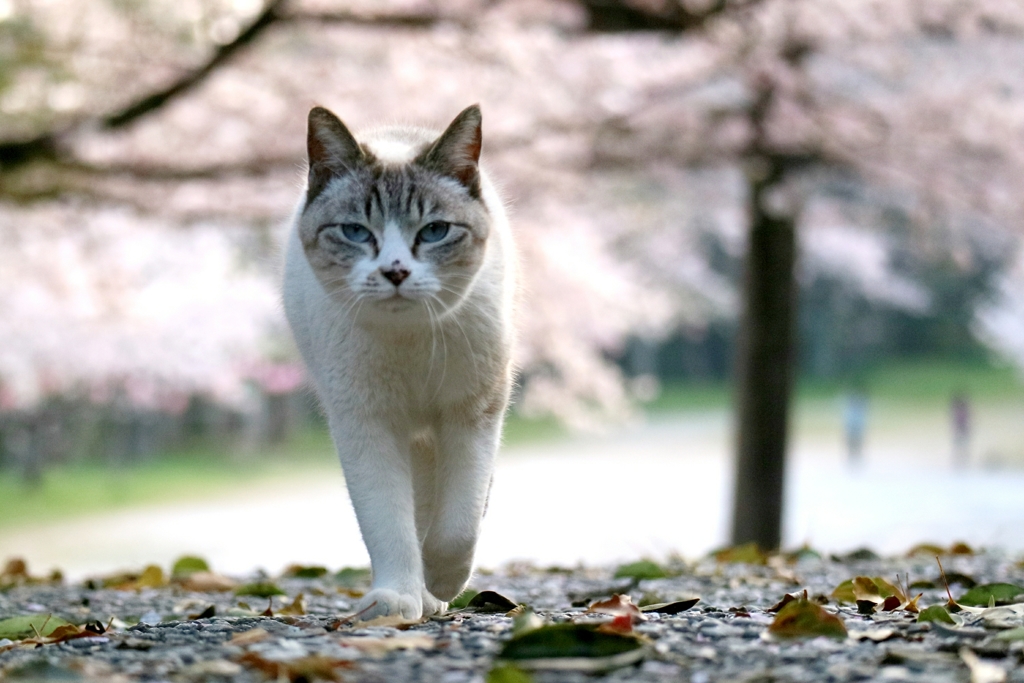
point(379, 481)
point(465, 464)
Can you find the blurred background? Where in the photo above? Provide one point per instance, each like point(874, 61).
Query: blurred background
point(151, 151)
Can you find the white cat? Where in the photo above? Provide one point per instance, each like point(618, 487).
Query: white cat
point(399, 288)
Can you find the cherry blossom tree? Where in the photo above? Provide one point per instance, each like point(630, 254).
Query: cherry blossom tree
point(621, 130)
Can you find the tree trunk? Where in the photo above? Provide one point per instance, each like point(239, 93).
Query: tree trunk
point(764, 366)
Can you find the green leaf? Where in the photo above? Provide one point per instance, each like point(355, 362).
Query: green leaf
point(639, 571)
point(352, 577)
point(507, 673)
point(805, 619)
point(748, 553)
point(188, 565)
point(844, 592)
point(16, 628)
point(1012, 634)
point(260, 589)
point(298, 571)
point(1001, 593)
point(579, 647)
point(935, 613)
point(462, 599)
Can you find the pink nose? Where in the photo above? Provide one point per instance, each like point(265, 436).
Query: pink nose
point(396, 274)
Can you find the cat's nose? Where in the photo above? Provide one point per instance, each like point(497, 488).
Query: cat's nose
point(395, 273)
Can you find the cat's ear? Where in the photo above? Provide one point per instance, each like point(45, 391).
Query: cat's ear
point(456, 153)
point(332, 150)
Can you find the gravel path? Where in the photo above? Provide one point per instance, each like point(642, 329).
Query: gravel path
point(722, 638)
point(648, 490)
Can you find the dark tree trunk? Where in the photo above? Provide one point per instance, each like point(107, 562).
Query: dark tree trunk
point(764, 364)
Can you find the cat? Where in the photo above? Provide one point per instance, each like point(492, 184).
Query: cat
point(399, 287)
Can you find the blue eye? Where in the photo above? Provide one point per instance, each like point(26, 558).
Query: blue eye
point(356, 233)
point(434, 232)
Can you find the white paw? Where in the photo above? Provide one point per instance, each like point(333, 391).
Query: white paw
point(384, 602)
point(432, 605)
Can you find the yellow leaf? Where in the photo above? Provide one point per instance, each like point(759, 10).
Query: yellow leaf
point(152, 577)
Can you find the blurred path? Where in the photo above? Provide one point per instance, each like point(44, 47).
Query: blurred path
point(646, 490)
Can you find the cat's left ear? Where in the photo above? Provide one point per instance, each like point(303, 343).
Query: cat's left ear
point(456, 153)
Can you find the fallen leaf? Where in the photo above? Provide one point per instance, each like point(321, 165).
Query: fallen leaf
point(748, 553)
point(572, 647)
point(936, 613)
point(253, 635)
point(805, 619)
point(618, 606)
point(804, 552)
point(210, 611)
point(259, 589)
point(640, 571)
point(152, 577)
point(350, 577)
point(381, 646)
point(960, 548)
point(858, 555)
point(15, 573)
point(298, 571)
point(305, 669)
point(507, 673)
point(1006, 617)
point(786, 599)
point(1013, 634)
point(876, 635)
point(188, 565)
point(527, 620)
point(671, 607)
point(208, 582)
point(461, 600)
point(16, 628)
point(994, 593)
point(982, 671)
point(490, 601)
point(297, 608)
point(929, 549)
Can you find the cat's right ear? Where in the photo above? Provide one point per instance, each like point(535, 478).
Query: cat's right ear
point(332, 150)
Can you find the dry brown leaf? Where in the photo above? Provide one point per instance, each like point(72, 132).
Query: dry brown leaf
point(305, 669)
point(208, 582)
point(253, 635)
point(381, 646)
point(297, 608)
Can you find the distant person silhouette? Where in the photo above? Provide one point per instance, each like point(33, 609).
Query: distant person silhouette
point(960, 416)
point(855, 417)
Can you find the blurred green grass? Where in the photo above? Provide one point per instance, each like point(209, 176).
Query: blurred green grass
point(909, 405)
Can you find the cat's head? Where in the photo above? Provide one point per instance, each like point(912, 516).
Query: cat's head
point(395, 224)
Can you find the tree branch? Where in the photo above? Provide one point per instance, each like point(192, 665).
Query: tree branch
point(622, 16)
point(190, 80)
point(49, 146)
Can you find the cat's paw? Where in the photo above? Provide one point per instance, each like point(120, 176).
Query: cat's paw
point(447, 580)
point(384, 602)
point(432, 605)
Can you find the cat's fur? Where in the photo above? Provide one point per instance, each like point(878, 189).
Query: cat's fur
point(407, 339)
